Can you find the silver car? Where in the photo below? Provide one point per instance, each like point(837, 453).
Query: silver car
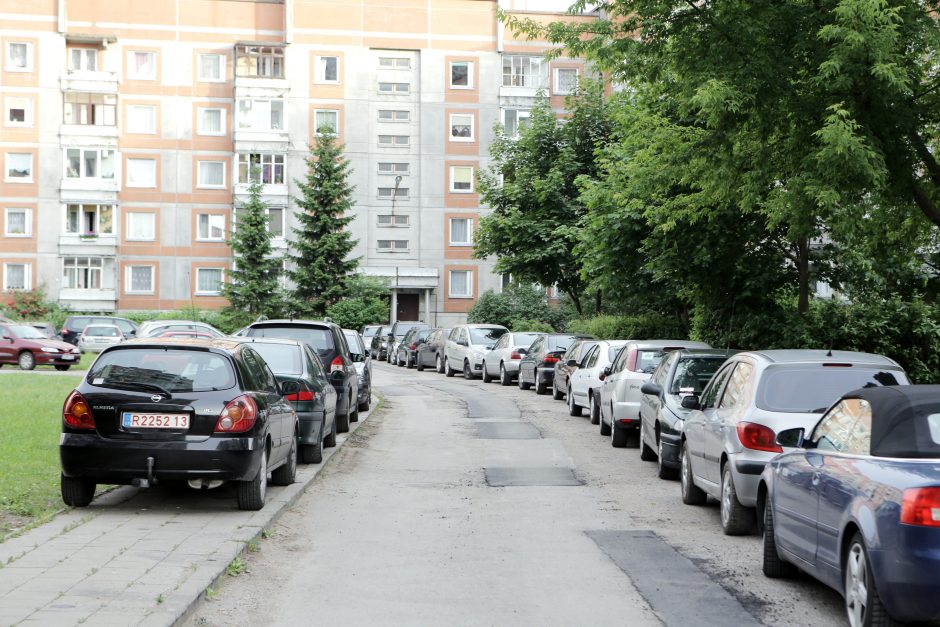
point(731, 432)
point(584, 384)
point(97, 337)
point(466, 347)
point(503, 361)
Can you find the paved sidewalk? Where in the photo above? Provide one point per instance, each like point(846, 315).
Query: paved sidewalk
point(135, 557)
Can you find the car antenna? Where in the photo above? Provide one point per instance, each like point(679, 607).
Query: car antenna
point(829, 353)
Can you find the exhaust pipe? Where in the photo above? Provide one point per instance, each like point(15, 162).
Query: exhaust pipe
point(149, 481)
point(204, 484)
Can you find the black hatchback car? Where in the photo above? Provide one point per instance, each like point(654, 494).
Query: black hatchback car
point(74, 325)
point(538, 364)
point(203, 411)
point(408, 347)
point(327, 339)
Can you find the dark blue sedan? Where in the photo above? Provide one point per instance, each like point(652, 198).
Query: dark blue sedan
point(857, 504)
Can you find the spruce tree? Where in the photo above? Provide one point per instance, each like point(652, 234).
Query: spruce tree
point(322, 243)
point(254, 287)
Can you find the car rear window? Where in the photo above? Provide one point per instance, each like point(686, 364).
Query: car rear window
point(162, 369)
point(282, 358)
point(560, 342)
point(933, 423)
point(485, 335)
point(355, 346)
point(812, 388)
point(78, 323)
point(647, 360)
point(321, 340)
point(102, 331)
point(524, 339)
point(403, 331)
point(694, 373)
point(126, 326)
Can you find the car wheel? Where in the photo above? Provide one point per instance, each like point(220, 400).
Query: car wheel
point(330, 440)
point(594, 408)
point(646, 453)
point(774, 566)
point(62, 368)
point(664, 472)
point(312, 453)
point(863, 605)
point(77, 492)
point(605, 427)
point(287, 473)
point(27, 361)
point(573, 408)
point(418, 364)
point(504, 378)
point(522, 384)
point(467, 372)
point(448, 371)
point(540, 387)
point(364, 405)
point(736, 520)
point(618, 436)
point(251, 493)
point(342, 422)
point(691, 493)
point(486, 375)
point(556, 393)
point(439, 365)
point(354, 414)
point(409, 362)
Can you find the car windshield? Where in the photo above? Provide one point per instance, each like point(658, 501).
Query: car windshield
point(813, 388)
point(182, 326)
point(524, 339)
point(24, 332)
point(647, 360)
point(102, 331)
point(486, 336)
point(282, 358)
point(354, 346)
point(320, 340)
point(693, 374)
point(162, 369)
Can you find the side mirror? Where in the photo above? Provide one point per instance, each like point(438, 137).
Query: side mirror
point(571, 363)
point(462, 342)
point(606, 371)
point(289, 387)
point(652, 389)
point(791, 438)
point(690, 402)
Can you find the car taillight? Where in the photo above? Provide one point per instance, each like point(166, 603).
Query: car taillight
point(921, 507)
point(238, 416)
point(550, 359)
point(515, 355)
point(303, 395)
point(758, 437)
point(77, 412)
point(65, 331)
point(336, 365)
point(414, 346)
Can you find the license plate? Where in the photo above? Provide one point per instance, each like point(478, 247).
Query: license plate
point(68, 357)
point(133, 420)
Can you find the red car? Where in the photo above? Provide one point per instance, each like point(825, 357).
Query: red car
point(27, 346)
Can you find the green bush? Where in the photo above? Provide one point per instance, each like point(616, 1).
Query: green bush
point(34, 306)
point(223, 320)
point(534, 326)
point(353, 313)
point(516, 302)
point(643, 326)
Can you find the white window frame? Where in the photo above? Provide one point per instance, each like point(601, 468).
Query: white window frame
point(403, 193)
point(555, 82)
point(81, 163)
point(396, 63)
point(453, 182)
point(450, 78)
point(395, 144)
point(316, 112)
point(16, 179)
point(208, 237)
point(392, 247)
point(521, 114)
point(201, 167)
point(28, 222)
point(394, 91)
point(27, 276)
point(272, 159)
point(200, 126)
point(468, 284)
point(129, 236)
point(396, 118)
point(146, 184)
point(196, 290)
point(131, 73)
point(319, 76)
point(107, 110)
point(456, 138)
point(93, 273)
point(450, 232)
point(9, 56)
point(151, 130)
point(394, 170)
point(80, 226)
point(264, 114)
point(83, 59)
point(395, 220)
point(129, 283)
point(221, 78)
point(8, 101)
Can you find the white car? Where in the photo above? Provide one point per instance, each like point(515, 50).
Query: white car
point(97, 337)
point(154, 328)
point(584, 384)
point(503, 361)
point(466, 347)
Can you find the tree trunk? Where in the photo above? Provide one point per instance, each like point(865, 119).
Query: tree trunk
point(597, 303)
point(575, 299)
point(803, 267)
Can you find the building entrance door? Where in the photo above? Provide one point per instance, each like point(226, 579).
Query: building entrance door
point(408, 307)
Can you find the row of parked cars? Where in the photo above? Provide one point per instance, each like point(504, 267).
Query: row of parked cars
point(831, 455)
point(206, 409)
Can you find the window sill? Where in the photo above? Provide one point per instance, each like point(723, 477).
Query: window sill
point(462, 140)
point(19, 180)
point(207, 293)
point(150, 293)
point(456, 297)
point(461, 244)
point(18, 235)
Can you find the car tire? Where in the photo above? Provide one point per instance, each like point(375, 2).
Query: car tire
point(573, 408)
point(354, 414)
point(486, 375)
point(594, 408)
point(691, 493)
point(556, 393)
point(418, 365)
point(448, 371)
point(868, 612)
point(250, 494)
point(736, 520)
point(522, 384)
point(605, 427)
point(504, 378)
point(646, 453)
point(540, 387)
point(62, 368)
point(774, 566)
point(77, 492)
point(364, 405)
point(286, 474)
point(342, 422)
point(409, 362)
point(467, 372)
point(439, 365)
point(330, 440)
point(312, 453)
point(26, 360)
point(663, 472)
point(618, 436)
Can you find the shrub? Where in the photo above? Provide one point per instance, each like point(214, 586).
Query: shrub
point(33, 305)
point(534, 326)
point(642, 326)
point(354, 313)
point(516, 302)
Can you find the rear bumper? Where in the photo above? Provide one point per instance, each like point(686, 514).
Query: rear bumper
point(545, 375)
point(56, 359)
point(908, 578)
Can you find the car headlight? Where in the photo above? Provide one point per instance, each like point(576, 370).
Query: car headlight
point(49, 349)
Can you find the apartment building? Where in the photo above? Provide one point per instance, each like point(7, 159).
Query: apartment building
point(131, 131)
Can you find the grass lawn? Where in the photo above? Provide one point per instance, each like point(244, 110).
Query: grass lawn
point(30, 423)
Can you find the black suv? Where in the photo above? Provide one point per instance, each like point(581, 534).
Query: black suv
point(397, 332)
point(74, 325)
point(327, 339)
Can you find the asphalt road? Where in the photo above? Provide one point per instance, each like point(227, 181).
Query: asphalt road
point(467, 503)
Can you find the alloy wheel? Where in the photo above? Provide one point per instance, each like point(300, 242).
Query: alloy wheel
point(856, 586)
point(726, 499)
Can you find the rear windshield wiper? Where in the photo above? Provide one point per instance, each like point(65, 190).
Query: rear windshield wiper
point(126, 385)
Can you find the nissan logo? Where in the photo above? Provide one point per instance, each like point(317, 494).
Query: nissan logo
point(156, 398)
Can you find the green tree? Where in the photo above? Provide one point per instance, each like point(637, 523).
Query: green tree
point(366, 303)
point(323, 244)
point(517, 302)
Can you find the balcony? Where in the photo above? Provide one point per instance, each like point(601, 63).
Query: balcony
point(89, 190)
point(88, 245)
point(98, 82)
point(81, 135)
point(247, 140)
point(102, 299)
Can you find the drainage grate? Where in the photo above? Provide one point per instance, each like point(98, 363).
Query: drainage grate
point(548, 476)
point(506, 430)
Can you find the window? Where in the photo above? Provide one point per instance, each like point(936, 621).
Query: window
point(461, 179)
point(211, 121)
point(16, 276)
point(19, 111)
point(261, 115)
point(141, 172)
point(208, 281)
point(141, 119)
point(394, 115)
point(523, 71)
point(261, 168)
point(18, 222)
point(394, 88)
point(89, 163)
point(141, 226)
point(138, 279)
point(461, 127)
point(276, 217)
point(461, 231)
point(212, 68)
point(82, 273)
point(326, 70)
point(513, 120)
point(389, 192)
point(738, 386)
point(710, 395)
point(326, 121)
point(566, 80)
point(90, 109)
point(259, 61)
point(83, 59)
point(460, 284)
point(89, 220)
point(396, 63)
point(142, 66)
point(393, 168)
point(461, 75)
point(211, 174)
point(391, 245)
point(846, 428)
point(388, 219)
point(210, 227)
point(19, 57)
point(19, 167)
point(394, 140)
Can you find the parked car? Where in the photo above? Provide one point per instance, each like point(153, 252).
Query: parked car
point(537, 367)
point(362, 362)
point(26, 346)
point(729, 436)
point(503, 361)
point(378, 348)
point(662, 415)
point(584, 385)
point(97, 337)
point(47, 329)
point(314, 402)
point(368, 332)
point(155, 328)
point(466, 347)
point(161, 410)
point(620, 394)
point(396, 333)
point(568, 364)
point(857, 504)
point(191, 334)
point(74, 325)
point(430, 353)
point(328, 341)
point(408, 347)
